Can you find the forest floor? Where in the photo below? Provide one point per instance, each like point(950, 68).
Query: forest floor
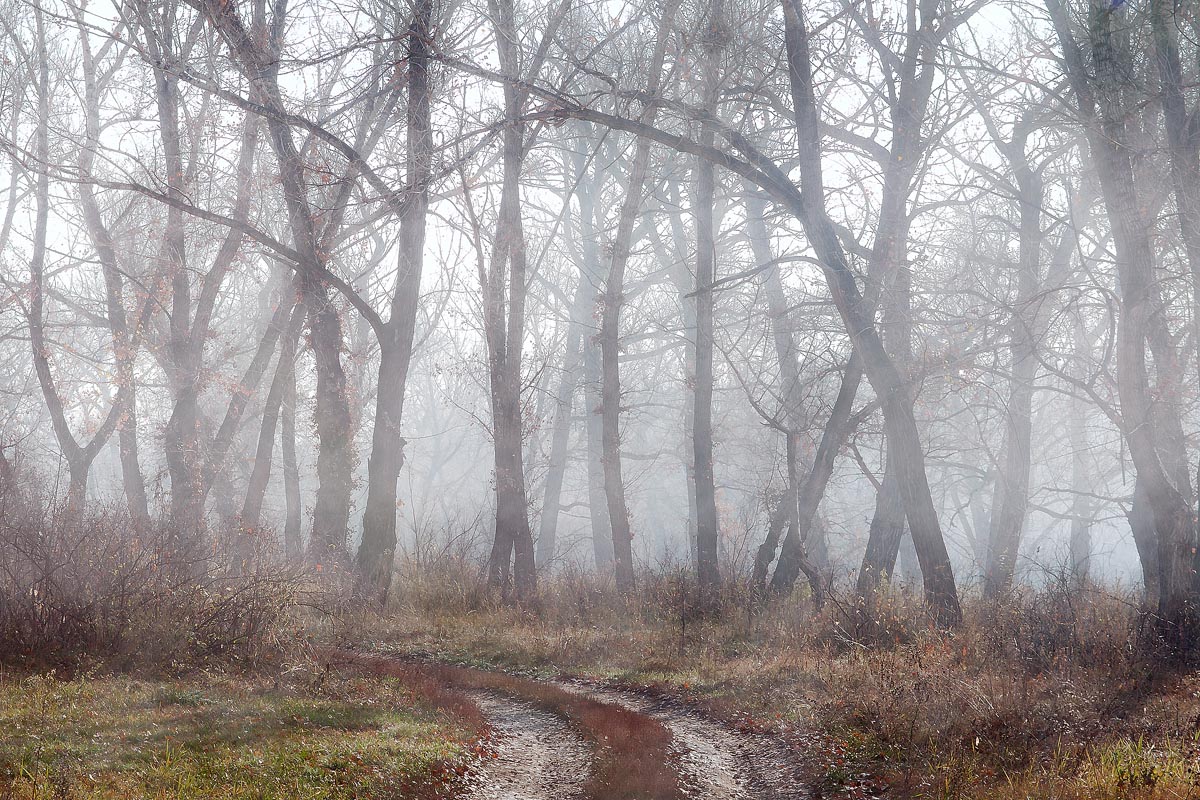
point(1053, 712)
point(311, 735)
point(587, 695)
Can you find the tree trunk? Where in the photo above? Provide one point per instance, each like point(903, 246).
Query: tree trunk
point(904, 441)
point(293, 544)
point(1162, 483)
point(883, 540)
point(610, 326)
point(505, 334)
point(1012, 485)
point(560, 437)
point(592, 275)
point(79, 458)
point(377, 552)
point(1183, 139)
point(703, 455)
point(285, 377)
point(182, 435)
point(256, 54)
point(602, 536)
point(1081, 504)
point(792, 555)
point(684, 282)
point(124, 347)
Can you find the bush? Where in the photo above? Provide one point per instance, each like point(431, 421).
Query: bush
point(79, 590)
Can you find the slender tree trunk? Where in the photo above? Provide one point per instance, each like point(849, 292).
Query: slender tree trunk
point(124, 347)
point(792, 556)
point(703, 454)
point(602, 536)
point(293, 543)
point(1080, 547)
point(284, 378)
point(798, 557)
point(610, 326)
point(560, 438)
point(684, 282)
point(592, 276)
point(79, 458)
point(377, 552)
point(1012, 486)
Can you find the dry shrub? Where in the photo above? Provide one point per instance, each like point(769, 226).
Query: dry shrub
point(94, 589)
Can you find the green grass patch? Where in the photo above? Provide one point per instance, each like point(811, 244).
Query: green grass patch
point(209, 737)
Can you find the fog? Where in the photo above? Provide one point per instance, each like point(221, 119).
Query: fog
point(577, 285)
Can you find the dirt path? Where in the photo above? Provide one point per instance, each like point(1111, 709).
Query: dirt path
point(716, 763)
point(537, 754)
point(573, 739)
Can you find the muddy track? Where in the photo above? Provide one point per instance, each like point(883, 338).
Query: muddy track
point(572, 739)
point(537, 754)
point(716, 762)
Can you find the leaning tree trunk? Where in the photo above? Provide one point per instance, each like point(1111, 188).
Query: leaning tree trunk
point(890, 386)
point(841, 422)
point(284, 378)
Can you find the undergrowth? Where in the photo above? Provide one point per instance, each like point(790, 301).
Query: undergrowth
point(1053, 694)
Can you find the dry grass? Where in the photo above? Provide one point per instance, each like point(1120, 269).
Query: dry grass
point(1052, 695)
point(313, 736)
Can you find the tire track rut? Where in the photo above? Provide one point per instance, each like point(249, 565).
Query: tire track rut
point(538, 756)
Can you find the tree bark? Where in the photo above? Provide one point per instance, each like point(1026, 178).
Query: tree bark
point(377, 552)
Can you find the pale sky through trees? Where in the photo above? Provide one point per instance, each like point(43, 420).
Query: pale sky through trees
point(465, 237)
